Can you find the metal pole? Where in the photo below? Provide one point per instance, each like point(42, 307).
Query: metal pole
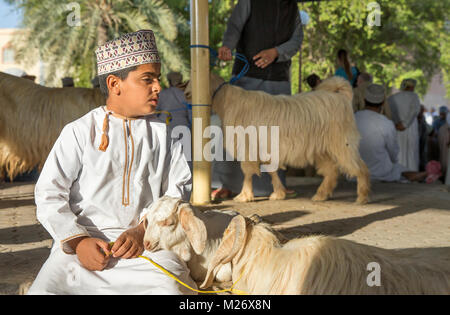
point(300, 71)
point(201, 101)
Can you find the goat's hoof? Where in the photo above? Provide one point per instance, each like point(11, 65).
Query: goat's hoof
point(318, 197)
point(362, 200)
point(244, 198)
point(278, 195)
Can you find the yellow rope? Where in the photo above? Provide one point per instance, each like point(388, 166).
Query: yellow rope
point(236, 291)
point(189, 287)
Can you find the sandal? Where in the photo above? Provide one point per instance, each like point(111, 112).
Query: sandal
point(221, 194)
point(291, 194)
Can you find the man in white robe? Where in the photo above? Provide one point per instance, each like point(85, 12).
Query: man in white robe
point(173, 101)
point(101, 177)
point(405, 106)
point(378, 146)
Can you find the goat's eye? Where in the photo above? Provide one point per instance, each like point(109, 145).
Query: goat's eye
point(167, 222)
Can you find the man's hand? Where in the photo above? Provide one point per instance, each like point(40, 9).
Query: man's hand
point(130, 243)
point(225, 53)
point(399, 126)
point(93, 253)
point(265, 57)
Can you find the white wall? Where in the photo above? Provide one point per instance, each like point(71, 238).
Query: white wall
point(6, 36)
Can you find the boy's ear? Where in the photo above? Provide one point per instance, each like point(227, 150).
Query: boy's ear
point(113, 84)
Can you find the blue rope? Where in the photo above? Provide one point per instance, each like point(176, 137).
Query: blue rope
point(188, 106)
point(244, 70)
point(213, 57)
point(214, 54)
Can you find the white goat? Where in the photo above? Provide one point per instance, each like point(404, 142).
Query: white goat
point(194, 236)
point(321, 265)
point(316, 128)
point(32, 117)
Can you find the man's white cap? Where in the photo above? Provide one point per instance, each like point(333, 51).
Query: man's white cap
point(374, 93)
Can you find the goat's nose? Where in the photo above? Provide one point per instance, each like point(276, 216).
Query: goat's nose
point(147, 245)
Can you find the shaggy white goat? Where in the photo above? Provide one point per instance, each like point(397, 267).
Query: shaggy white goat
point(316, 128)
point(194, 236)
point(32, 117)
point(321, 265)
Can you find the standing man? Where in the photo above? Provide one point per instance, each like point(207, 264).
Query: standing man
point(405, 106)
point(424, 131)
point(363, 80)
point(441, 119)
point(172, 100)
point(443, 137)
point(269, 33)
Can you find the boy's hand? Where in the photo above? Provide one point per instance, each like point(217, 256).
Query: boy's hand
point(93, 253)
point(130, 243)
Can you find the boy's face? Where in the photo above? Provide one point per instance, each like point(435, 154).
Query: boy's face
point(139, 92)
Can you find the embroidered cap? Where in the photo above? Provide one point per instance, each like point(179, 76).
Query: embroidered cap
point(129, 50)
point(406, 83)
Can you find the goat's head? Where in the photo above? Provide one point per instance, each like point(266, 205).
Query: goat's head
point(232, 244)
point(171, 224)
point(214, 82)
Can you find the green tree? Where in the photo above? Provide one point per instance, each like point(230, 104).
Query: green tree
point(411, 40)
point(67, 46)
point(219, 12)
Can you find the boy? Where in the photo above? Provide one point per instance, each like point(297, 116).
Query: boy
point(101, 177)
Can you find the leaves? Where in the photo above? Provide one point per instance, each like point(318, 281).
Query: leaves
point(68, 50)
point(410, 41)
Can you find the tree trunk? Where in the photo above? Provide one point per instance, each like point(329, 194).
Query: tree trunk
point(102, 34)
point(300, 71)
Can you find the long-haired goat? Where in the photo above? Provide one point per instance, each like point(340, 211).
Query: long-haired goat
point(32, 117)
point(316, 128)
point(193, 235)
point(322, 265)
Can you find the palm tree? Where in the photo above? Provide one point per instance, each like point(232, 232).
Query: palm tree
point(65, 46)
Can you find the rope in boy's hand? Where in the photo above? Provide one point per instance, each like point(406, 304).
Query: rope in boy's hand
point(168, 273)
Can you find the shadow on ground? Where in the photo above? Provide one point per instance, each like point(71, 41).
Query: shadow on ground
point(346, 226)
point(24, 234)
point(16, 203)
point(22, 266)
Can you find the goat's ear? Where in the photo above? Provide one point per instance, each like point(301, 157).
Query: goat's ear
point(232, 242)
point(193, 227)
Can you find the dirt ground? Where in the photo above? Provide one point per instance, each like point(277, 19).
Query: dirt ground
point(399, 216)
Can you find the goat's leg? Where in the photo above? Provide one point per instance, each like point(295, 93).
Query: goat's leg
point(328, 169)
point(363, 178)
point(249, 169)
point(279, 191)
point(2, 175)
point(354, 166)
